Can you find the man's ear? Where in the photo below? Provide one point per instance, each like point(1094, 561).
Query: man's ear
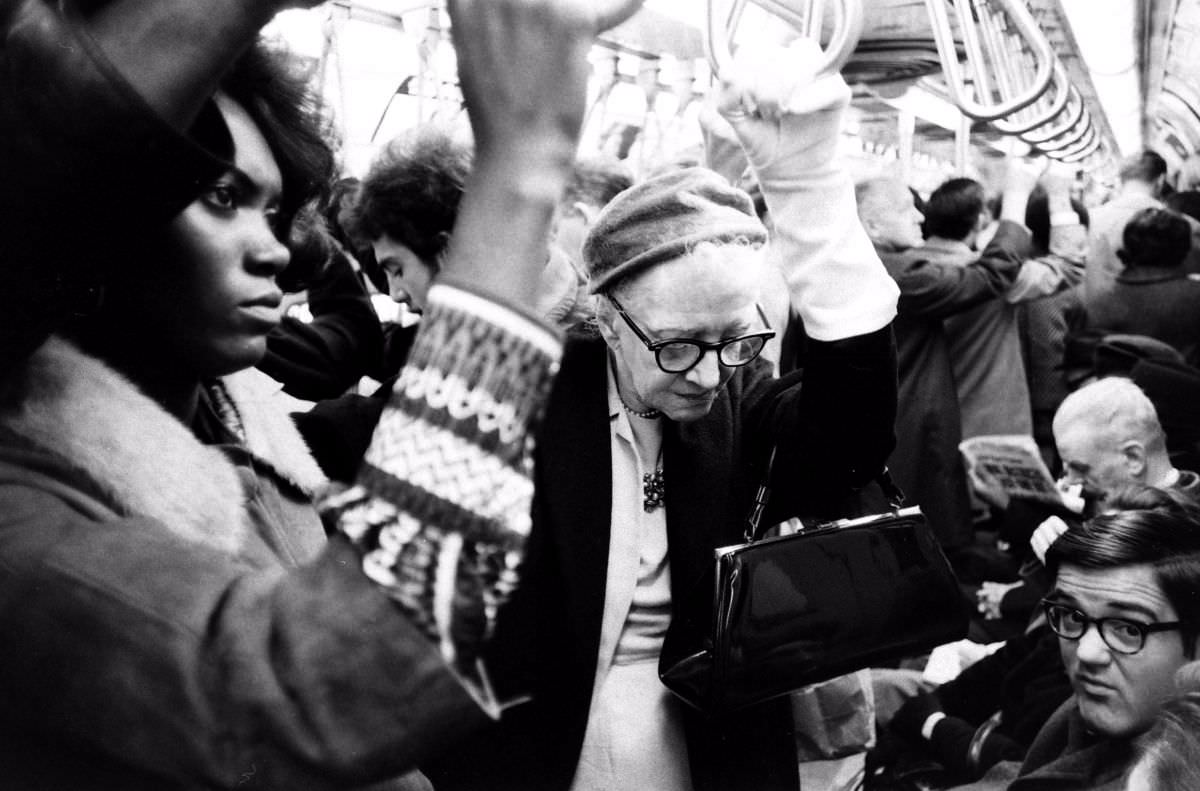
point(869, 225)
point(1135, 459)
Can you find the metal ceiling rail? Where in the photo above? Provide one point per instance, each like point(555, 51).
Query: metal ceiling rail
point(1071, 147)
point(1044, 110)
point(1087, 151)
point(1067, 138)
point(1072, 114)
point(1015, 69)
point(807, 20)
point(986, 56)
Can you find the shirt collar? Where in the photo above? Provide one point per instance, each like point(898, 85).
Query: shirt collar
point(949, 245)
point(618, 420)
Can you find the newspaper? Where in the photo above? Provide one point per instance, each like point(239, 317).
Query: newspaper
point(1014, 462)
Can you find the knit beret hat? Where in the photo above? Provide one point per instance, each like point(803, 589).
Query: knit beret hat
point(661, 219)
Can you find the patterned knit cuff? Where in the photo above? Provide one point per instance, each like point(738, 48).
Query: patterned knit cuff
point(441, 507)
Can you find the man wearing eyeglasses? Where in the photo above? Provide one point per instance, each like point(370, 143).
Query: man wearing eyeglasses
point(657, 435)
point(1125, 608)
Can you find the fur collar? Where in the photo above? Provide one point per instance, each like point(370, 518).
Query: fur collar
point(271, 436)
point(149, 463)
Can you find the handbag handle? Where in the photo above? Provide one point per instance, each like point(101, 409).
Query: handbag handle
point(891, 492)
point(754, 521)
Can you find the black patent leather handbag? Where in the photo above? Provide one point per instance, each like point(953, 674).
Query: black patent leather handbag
point(803, 608)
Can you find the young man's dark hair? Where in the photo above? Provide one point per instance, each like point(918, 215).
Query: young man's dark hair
point(1145, 525)
point(412, 191)
point(1148, 166)
point(1155, 237)
point(953, 209)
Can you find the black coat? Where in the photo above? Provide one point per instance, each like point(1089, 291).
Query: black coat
point(833, 435)
point(926, 463)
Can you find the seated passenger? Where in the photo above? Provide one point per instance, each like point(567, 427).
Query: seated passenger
point(1109, 437)
point(1124, 608)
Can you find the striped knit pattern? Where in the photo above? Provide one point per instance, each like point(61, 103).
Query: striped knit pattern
point(441, 507)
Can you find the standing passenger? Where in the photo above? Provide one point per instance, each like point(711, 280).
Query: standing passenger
point(1142, 178)
point(657, 435)
point(171, 619)
point(926, 463)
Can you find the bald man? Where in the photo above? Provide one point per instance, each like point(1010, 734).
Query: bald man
point(929, 427)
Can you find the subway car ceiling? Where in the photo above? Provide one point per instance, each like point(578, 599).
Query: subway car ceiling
point(940, 86)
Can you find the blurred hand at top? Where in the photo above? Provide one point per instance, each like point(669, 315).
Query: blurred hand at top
point(523, 68)
point(1022, 173)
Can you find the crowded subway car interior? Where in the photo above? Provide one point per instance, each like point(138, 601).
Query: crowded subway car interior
point(589, 395)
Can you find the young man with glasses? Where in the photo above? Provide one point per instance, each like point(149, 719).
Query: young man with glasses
point(1124, 605)
point(657, 435)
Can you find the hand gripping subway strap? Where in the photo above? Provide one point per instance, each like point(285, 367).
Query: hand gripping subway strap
point(441, 507)
point(800, 609)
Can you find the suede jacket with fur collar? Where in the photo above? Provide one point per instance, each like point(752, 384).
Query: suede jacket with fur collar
point(144, 462)
point(175, 606)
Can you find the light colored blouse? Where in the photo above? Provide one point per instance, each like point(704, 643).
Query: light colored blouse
point(634, 736)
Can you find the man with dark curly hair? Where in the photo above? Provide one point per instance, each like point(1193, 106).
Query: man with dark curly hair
point(406, 209)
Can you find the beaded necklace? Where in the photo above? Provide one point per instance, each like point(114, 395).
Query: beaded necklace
point(654, 488)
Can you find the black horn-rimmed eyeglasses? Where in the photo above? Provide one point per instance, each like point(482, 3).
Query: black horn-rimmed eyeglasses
point(680, 355)
point(1123, 635)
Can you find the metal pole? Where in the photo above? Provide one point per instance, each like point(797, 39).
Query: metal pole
point(962, 145)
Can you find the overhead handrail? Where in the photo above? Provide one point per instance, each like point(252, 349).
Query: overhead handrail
point(1090, 150)
point(983, 57)
point(808, 22)
point(1068, 138)
point(1044, 111)
point(1088, 137)
point(1074, 112)
point(1000, 41)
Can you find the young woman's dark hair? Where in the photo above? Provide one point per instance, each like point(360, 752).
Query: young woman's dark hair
point(277, 93)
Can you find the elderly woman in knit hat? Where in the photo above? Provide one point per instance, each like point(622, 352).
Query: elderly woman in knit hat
point(658, 433)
